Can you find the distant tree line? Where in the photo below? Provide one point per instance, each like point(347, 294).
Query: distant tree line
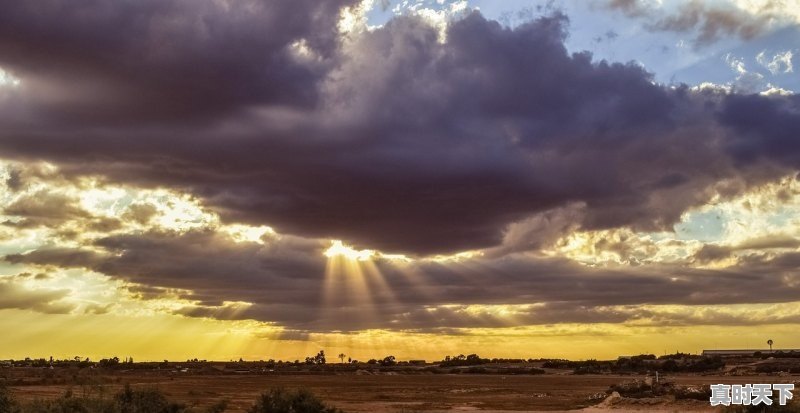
point(462, 360)
point(641, 363)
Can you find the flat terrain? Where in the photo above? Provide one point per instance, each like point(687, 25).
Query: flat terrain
point(393, 393)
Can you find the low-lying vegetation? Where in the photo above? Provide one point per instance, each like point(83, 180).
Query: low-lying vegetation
point(640, 389)
point(282, 401)
point(675, 363)
point(778, 367)
point(152, 400)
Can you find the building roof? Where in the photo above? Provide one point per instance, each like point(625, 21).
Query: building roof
point(749, 351)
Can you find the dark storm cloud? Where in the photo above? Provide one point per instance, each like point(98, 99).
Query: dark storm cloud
point(763, 128)
point(497, 138)
point(410, 144)
point(285, 282)
point(108, 62)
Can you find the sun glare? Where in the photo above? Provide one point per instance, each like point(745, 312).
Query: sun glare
point(338, 249)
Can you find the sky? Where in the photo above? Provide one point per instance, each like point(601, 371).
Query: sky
point(263, 179)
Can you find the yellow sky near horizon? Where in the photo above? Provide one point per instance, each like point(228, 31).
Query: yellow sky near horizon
point(177, 338)
point(82, 294)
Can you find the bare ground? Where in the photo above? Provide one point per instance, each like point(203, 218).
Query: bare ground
point(401, 393)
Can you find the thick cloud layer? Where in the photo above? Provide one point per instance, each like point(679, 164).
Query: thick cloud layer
point(389, 139)
point(286, 282)
point(398, 139)
point(103, 63)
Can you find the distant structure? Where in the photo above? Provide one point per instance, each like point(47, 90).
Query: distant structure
point(769, 343)
point(746, 352)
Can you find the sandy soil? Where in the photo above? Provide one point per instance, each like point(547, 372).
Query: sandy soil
point(401, 393)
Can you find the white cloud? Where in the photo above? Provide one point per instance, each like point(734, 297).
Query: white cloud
point(746, 81)
point(780, 62)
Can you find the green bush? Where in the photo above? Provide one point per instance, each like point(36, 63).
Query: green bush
point(283, 401)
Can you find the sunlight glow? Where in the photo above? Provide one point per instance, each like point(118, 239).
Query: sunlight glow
point(338, 249)
point(461, 256)
point(6, 79)
point(353, 19)
point(246, 233)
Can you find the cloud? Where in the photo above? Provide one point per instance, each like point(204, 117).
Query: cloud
point(15, 295)
point(710, 21)
point(435, 147)
point(286, 282)
point(111, 63)
point(177, 118)
point(761, 128)
point(46, 206)
point(781, 63)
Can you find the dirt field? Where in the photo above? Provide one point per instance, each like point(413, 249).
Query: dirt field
point(394, 393)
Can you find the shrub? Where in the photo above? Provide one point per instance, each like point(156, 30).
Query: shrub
point(634, 389)
point(778, 367)
point(69, 404)
point(127, 400)
point(218, 407)
point(145, 401)
point(283, 401)
point(6, 400)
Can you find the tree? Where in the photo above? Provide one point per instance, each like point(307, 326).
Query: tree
point(388, 361)
point(770, 342)
point(341, 357)
point(318, 359)
point(112, 362)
